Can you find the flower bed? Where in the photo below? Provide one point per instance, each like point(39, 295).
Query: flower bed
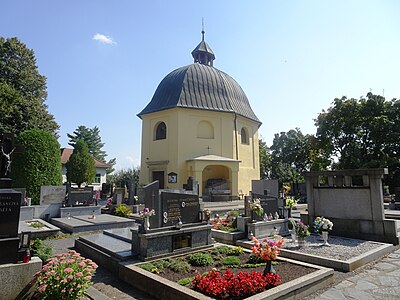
point(222, 270)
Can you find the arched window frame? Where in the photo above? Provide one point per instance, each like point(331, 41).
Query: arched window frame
point(210, 131)
point(160, 131)
point(244, 136)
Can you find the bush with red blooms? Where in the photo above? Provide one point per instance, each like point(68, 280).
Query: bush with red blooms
point(229, 285)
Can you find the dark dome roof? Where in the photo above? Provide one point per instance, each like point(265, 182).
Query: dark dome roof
point(200, 86)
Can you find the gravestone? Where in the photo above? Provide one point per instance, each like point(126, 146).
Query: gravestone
point(269, 204)
point(10, 203)
point(149, 194)
point(118, 195)
point(51, 194)
point(175, 206)
point(80, 196)
point(132, 193)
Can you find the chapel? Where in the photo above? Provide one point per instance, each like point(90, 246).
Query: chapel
point(199, 126)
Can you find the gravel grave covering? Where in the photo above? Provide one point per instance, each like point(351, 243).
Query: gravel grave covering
point(340, 248)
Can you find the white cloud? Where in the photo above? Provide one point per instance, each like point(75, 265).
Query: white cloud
point(103, 39)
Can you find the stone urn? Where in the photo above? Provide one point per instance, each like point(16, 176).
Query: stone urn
point(325, 234)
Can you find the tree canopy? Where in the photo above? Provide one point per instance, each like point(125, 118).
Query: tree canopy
point(23, 90)
point(123, 178)
point(92, 138)
point(362, 133)
point(81, 166)
point(265, 159)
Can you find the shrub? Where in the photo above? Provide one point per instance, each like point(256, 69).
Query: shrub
point(185, 281)
point(228, 285)
point(41, 249)
point(200, 259)
point(39, 164)
point(67, 276)
point(220, 250)
point(179, 265)
point(235, 251)
point(122, 210)
point(231, 261)
point(149, 267)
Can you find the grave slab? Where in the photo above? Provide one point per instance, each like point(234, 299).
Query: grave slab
point(124, 234)
point(115, 247)
point(87, 223)
point(47, 230)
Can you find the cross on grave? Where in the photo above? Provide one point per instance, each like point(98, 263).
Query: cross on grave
point(7, 149)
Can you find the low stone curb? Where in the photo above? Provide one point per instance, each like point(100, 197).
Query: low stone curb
point(339, 265)
point(161, 288)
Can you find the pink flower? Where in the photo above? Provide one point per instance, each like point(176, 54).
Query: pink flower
point(68, 270)
point(79, 274)
point(87, 277)
point(82, 264)
point(42, 288)
point(70, 261)
point(64, 281)
point(70, 277)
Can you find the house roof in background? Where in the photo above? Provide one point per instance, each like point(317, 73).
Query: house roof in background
point(66, 153)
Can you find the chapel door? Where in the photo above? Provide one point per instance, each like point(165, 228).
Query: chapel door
point(159, 175)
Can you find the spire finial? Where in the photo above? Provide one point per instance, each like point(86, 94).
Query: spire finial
point(202, 28)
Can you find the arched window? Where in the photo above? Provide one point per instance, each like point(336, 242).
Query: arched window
point(244, 133)
point(205, 130)
point(160, 131)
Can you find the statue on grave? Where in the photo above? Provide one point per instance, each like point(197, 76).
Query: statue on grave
point(6, 150)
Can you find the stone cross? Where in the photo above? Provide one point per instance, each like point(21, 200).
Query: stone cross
point(7, 149)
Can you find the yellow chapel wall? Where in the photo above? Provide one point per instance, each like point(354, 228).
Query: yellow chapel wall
point(183, 144)
point(248, 155)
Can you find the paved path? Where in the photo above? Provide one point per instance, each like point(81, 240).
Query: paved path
point(382, 281)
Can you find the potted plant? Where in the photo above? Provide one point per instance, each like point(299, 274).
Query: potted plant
point(146, 214)
point(302, 231)
point(290, 202)
point(268, 251)
point(256, 208)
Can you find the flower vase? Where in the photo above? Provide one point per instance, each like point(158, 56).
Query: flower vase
point(293, 236)
point(146, 224)
point(325, 238)
point(253, 217)
point(300, 242)
point(269, 268)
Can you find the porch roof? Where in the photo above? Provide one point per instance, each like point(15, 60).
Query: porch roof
point(216, 158)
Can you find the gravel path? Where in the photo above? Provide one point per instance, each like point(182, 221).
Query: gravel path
point(340, 248)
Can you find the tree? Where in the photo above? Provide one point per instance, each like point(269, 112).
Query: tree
point(265, 159)
point(92, 138)
point(123, 178)
point(39, 164)
point(290, 155)
point(362, 133)
point(81, 166)
point(22, 90)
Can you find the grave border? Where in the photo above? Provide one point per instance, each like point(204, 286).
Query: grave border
point(165, 289)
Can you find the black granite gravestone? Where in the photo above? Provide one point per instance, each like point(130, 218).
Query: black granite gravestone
point(10, 203)
point(80, 196)
point(185, 207)
point(268, 203)
point(149, 194)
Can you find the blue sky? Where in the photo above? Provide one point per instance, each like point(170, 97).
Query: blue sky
point(292, 58)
